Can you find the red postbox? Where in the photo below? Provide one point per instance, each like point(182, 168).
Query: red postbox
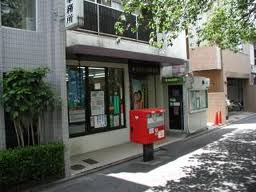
point(147, 125)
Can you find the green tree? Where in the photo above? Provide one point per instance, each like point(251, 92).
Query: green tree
point(228, 23)
point(231, 23)
point(26, 96)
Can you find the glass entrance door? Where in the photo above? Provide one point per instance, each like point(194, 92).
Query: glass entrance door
point(175, 98)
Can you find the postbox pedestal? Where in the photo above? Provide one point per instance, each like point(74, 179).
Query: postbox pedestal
point(148, 152)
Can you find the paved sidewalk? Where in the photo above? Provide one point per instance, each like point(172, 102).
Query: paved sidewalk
point(111, 155)
point(102, 181)
point(221, 160)
point(91, 161)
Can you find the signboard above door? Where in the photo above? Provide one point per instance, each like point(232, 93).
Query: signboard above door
point(176, 70)
point(173, 80)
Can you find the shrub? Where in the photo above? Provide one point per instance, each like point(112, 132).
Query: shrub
point(26, 97)
point(31, 164)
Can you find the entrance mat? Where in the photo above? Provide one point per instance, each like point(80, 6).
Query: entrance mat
point(90, 161)
point(77, 167)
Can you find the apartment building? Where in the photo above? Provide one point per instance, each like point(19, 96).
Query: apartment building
point(32, 34)
point(230, 76)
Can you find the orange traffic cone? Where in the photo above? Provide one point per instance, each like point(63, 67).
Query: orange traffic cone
point(216, 122)
point(220, 118)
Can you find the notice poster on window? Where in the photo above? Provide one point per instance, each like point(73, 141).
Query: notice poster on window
point(100, 121)
point(122, 119)
point(97, 103)
point(116, 105)
point(137, 94)
point(116, 120)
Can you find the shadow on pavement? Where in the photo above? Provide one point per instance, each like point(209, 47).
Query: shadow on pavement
point(173, 151)
point(230, 165)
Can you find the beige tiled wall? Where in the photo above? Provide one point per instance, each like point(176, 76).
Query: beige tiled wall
point(204, 58)
point(236, 65)
point(216, 102)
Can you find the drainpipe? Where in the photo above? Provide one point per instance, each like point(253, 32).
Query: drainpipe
point(187, 44)
point(185, 89)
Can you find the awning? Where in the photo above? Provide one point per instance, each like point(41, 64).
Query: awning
point(115, 53)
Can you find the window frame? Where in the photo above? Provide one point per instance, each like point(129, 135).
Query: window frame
point(20, 29)
point(85, 106)
point(200, 108)
point(88, 130)
point(108, 102)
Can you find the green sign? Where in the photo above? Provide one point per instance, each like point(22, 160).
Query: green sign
point(173, 80)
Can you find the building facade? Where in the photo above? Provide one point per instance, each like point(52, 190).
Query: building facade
point(32, 34)
point(107, 77)
point(230, 77)
point(99, 78)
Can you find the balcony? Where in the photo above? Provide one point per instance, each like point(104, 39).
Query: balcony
point(205, 58)
point(101, 20)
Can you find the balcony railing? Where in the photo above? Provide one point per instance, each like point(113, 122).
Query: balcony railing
point(101, 19)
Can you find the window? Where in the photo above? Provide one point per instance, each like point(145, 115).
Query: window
point(199, 100)
point(104, 2)
point(95, 99)
point(116, 97)
point(76, 99)
point(19, 14)
point(97, 88)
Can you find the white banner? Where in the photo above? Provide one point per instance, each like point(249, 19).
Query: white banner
point(71, 13)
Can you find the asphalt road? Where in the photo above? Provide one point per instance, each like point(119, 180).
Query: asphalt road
point(220, 160)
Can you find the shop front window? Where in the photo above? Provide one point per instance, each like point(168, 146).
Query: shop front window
point(116, 97)
point(95, 99)
point(199, 100)
point(97, 82)
point(76, 99)
point(19, 14)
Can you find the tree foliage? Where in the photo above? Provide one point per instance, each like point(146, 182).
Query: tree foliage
point(231, 23)
point(26, 96)
point(228, 23)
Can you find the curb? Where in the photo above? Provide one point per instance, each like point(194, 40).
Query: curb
point(188, 137)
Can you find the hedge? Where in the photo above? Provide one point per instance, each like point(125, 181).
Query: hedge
point(31, 164)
